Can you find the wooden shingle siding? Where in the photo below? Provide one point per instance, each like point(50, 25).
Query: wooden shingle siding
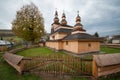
point(107, 59)
point(106, 64)
point(15, 59)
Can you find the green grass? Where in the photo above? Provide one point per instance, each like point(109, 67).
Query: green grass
point(34, 52)
point(9, 73)
point(79, 78)
point(109, 50)
point(111, 77)
point(38, 51)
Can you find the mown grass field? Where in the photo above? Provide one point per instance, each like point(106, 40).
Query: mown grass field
point(39, 51)
point(35, 52)
point(108, 50)
point(9, 73)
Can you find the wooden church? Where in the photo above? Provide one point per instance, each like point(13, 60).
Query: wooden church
point(72, 39)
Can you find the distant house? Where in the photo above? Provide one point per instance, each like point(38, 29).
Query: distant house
point(116, 39)
point(73, 39)
point(6, 33)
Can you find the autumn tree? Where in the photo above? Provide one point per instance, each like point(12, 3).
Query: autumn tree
point(29, 23)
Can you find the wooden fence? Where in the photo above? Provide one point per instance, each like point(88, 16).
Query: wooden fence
point(54, 63)
point(15, 61)
point(58, 64)
point(103, 64)
point(106, 64)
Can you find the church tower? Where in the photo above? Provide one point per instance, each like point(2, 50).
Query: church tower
point(63, 21)
point(78, 26)
point(56, 19)
point(56, 22)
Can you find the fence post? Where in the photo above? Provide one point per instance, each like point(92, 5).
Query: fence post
point(94, 69)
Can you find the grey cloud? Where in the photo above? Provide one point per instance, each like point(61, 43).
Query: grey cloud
point(96, 15)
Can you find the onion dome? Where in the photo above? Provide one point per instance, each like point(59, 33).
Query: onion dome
point(78, 18)
point(56, 19)
point(78, 26)
point(63, 21)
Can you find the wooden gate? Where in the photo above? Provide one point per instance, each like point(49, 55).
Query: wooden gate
point(59, 64)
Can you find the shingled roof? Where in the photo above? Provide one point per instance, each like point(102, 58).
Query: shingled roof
point(107, 59)
point(14, 59)
point(62, 25)
point(63, 30)
point(66, 26)
point(80, 36)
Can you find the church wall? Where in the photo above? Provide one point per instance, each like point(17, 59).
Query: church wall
point(71, 46)
point(88, 47)
point(74, 46)
point(55, 45)
point(57, 36)
point(60, 45)
point(60, 35)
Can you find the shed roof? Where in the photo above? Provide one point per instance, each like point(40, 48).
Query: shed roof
point(107, 59)
point(79, 36)
point(15, 59)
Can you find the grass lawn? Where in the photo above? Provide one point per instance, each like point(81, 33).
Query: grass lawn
point(46, 51)
point(38, 51)
point(109, 50)
point(9, 73)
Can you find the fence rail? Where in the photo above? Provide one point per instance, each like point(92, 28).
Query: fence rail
point(53, 63)
point(59, 64)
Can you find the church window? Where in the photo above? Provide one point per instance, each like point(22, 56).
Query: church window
point(66, 42)
point(89, 45)
point(53, 37)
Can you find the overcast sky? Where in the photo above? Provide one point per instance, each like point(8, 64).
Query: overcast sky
point(102, 16)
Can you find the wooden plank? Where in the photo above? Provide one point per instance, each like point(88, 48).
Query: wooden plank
point(107, 59)
point(100, 69)
point(110, 71)
point(15, 66)
point(95, 69)
point(14, 59)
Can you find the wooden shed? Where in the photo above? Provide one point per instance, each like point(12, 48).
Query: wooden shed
point(105, 64)
point(14, 60)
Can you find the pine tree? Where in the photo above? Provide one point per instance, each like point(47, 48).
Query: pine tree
point(96, 34)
